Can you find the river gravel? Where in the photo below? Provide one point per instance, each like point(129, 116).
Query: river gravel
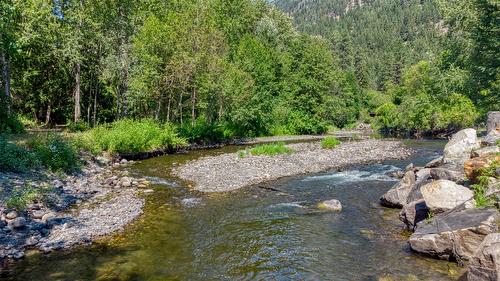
point(228, 172)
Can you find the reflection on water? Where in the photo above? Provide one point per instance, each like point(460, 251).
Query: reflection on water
point(254, 234)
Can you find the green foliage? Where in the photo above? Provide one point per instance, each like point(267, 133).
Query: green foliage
point(14, 158)
point(424, 105)
point(202, 132)
point(20, 199)
point(56, 154)
point(269, 149)
point(79, 126)
point(329, 142)
point(129, 136)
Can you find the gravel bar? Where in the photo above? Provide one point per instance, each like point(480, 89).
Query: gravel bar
point(228, 172)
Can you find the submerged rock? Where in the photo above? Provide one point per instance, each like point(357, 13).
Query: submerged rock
point(485, 264)
point(459, 148)
point(455, 234)
point(332, 205)
point(396, 196)
point(444, 195)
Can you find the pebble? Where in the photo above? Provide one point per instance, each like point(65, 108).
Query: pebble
point(37, 214)
point(17, 223)
point(11, 215)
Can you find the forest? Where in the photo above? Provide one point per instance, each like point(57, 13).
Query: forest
point(219, 69)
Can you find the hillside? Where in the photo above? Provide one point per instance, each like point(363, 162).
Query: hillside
point(375, 39)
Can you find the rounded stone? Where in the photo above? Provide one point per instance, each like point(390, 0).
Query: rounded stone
point(332, 205)
point(18, 223)
point(11, 215)
point(37, 214)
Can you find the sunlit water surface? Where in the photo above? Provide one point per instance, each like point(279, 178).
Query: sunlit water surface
point(254, 233)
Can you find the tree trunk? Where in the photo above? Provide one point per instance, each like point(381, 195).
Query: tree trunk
point(95, 108)
point(180, 107)
point(158, 109)
point(6, 77)
point(168, 106)
point(193, 104)
point(47, 114)
point(77, 93)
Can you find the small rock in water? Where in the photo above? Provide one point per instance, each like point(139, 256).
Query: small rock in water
point(189, 202)
point(333, 205)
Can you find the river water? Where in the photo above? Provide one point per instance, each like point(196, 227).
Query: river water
point(271, 232)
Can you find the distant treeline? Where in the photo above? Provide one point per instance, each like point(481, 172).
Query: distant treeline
point(225, 68)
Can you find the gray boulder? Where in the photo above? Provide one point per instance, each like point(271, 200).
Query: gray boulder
point(493, 121)
point(435, 162)
point(447, 174)
point(455, 234)
point(459, 148)
point(485, 264)
point(485, 150)
point(414, 212)
point(492, 138)
point(17, 223)
point(396, 197)
point(444, 195)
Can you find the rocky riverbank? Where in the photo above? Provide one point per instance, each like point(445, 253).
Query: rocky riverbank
point(230, 171)
point(451, 204)
point(63, 211)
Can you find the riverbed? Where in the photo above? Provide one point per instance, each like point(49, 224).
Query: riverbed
point(268, 232)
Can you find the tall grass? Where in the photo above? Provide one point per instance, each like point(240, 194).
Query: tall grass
point(129, 136)
point(268, 149)
point(329, 142)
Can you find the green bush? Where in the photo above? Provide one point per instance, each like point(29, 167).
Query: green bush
point(14, 158)
point(129, 136)
point(271, 149)
point(329, 142)
point(202, 132)
point(56, 154)
point(79, 126)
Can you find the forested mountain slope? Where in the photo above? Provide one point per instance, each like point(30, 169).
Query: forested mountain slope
point(376, 39)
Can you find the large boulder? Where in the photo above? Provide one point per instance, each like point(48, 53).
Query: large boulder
point(485, 264)
point(492, 138)
point(455, 234)
point(444, 195)
point(414, 212)
point(396, 197)
point(493, 121)
point(459, 148)
point(493, 149)
point(443, 173)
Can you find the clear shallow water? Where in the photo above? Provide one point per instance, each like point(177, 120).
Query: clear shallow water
point(254, 233)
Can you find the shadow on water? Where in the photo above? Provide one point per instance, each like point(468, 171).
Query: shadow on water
point(254, 233)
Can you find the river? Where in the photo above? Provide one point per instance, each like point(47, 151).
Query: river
point(271, 232)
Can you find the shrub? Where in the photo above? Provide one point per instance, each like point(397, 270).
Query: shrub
point(129, 136)
point(329, 142)
point(14, 158)
point(202, 132)
point(79, 126)
point(270, 149)
point(56, 154)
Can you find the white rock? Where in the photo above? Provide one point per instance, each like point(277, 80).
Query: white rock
point(443, 195)
point(333, 205)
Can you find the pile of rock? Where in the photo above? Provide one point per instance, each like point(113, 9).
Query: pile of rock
point(105, 200)
point(438, 204)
